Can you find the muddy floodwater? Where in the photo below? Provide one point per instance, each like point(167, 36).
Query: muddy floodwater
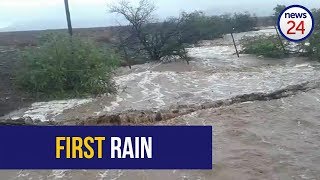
point(274, 139)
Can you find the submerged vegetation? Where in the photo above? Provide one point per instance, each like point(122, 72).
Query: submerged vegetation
point(276, 47)
point(267, 46)
point(64, 66)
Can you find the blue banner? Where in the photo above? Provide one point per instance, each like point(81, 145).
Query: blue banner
point(108, 147)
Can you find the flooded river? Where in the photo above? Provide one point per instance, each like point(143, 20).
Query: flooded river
point(276, 139)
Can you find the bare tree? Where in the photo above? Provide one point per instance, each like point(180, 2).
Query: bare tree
point(123, 44)
point(157, 39)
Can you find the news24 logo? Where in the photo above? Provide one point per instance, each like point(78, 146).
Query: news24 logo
point(296, 23)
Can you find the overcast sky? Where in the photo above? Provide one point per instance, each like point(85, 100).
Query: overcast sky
point(50, 14)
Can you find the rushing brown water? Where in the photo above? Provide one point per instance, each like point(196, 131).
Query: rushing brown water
point(276, 139)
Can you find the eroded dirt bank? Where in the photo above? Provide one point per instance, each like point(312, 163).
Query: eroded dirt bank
point(143, 117)
point(135, 117)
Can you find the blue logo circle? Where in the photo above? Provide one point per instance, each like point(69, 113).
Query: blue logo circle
point(290, 39)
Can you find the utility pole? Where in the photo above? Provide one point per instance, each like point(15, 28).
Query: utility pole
point(281, 43)
point(66, 4)
point(234, 43)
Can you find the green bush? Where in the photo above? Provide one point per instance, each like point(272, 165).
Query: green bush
point(268, 46)
point(312, 50)
point(65, 67)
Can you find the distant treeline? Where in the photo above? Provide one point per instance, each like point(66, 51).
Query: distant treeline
point(198, 25)
point(107, 34)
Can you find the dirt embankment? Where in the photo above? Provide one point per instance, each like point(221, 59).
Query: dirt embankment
point(145, 117)
point(135, 117)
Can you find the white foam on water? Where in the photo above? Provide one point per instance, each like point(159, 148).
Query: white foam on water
point(148, 85)
point(112, 175)
point(23, 174)
point(57, 174)
point(46, 111)
point(268, 32)
point(161, 89)
point(211, 51)
point(102, 175)
point(114, 104)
